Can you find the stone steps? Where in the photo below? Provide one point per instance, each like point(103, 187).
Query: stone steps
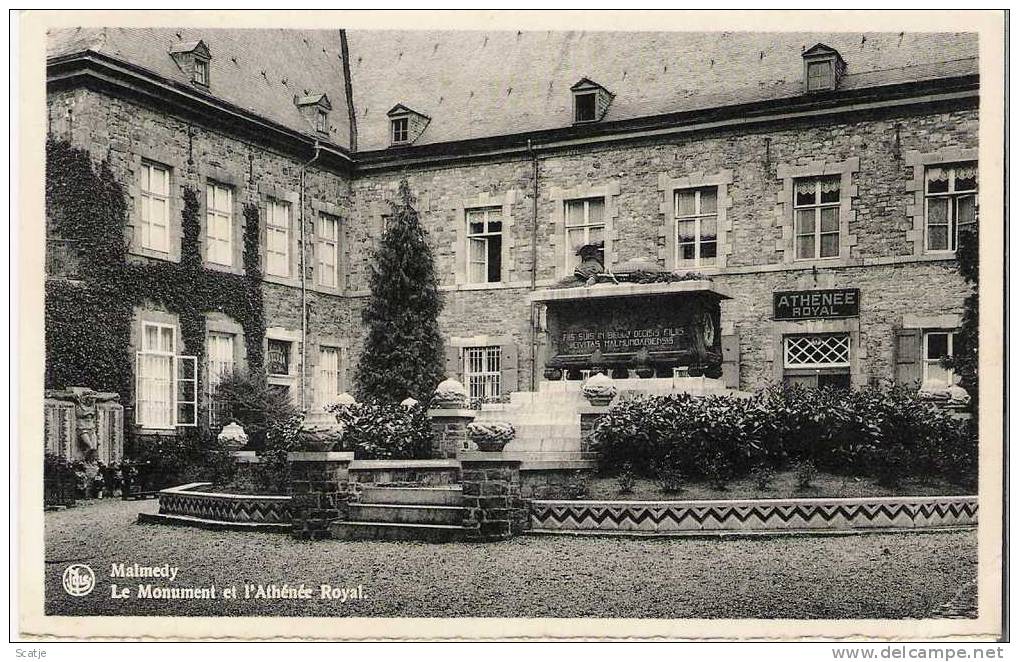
point(402, 513)
point(348, 530)
point(430, 514)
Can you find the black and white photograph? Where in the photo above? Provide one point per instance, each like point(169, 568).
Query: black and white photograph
point(675, 323)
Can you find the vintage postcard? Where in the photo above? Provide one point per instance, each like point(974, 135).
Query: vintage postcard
point(555, 325)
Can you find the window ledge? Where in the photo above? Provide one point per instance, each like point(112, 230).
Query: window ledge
point(224, 268)
point(164, 432)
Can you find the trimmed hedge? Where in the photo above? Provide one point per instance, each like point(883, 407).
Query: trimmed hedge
point(886, 433)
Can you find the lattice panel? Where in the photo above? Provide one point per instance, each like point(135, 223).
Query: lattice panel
point(817, 351)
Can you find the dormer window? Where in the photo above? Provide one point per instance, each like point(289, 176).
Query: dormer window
point(193, 58)
point(405, 125)
point(315, 109)
point(584, 106)
point(400, 126)
point(590, 101)
point(201, 72)
point(823, 68)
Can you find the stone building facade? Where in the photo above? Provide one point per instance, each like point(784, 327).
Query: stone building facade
point(763, 162)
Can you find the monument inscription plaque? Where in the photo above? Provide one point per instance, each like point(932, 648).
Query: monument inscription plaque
point(673, 330)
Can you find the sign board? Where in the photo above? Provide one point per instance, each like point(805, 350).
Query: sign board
point(817, 304)
point(660, 338)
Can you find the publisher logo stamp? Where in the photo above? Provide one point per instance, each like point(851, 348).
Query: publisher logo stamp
point(79, 579)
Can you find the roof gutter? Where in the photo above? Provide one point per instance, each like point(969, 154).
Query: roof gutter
point(103, 69)
point(516, 147)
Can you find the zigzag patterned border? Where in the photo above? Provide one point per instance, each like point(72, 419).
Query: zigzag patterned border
point(763, 515)
point(253, 509)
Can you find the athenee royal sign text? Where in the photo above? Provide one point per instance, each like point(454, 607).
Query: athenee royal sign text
point(808, 304)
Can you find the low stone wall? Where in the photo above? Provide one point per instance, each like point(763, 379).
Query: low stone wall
point(187, 504)
point(424, 473)
point(555, 480)
point(753, 516)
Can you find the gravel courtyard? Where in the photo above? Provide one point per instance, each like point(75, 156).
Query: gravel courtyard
point(867, 576)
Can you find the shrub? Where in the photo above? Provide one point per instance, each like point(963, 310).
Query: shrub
point(254, 404)
point(386, 431)
point(884, 432)
point(764, 476)
point(806, 474)
point(272, 473)
point(669, 478)
point(192, 455)
point(626, 480)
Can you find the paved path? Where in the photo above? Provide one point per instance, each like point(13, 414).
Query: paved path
point(869, 576)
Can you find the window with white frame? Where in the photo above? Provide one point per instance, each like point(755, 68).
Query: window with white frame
point(322, 121)
point(950, 202)
point(166, 382)
point(817, 351)
point(482, 369)
point(219, 352)
point(219, 224)
point(328, 384)
point(484, 245)
point(328, 250)
point(201, 71)
point(585, 226)
point(277, 244)
point(696, 226)
point(937, 345)
point(154, 207)
point(816, 209)
point(401, 130)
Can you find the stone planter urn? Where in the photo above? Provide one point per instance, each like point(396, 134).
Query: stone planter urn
point(233, 437)
point(599, 390)
point(491, 436)
point(320, 432)
point(450, 394)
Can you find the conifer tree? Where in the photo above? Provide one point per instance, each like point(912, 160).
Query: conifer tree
point(403, 352)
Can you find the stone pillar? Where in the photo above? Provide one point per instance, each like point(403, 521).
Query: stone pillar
point(320, 487)
point(450, 428)
point(494, 509)
point(589, 417)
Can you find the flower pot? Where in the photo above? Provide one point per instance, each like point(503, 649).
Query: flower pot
point(599, 400)
point(645, 373)
point(490, 436)
point(491, 445)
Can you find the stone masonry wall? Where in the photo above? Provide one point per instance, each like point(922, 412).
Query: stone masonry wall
point(755, 268)
point(881, 262)
point(122, 132)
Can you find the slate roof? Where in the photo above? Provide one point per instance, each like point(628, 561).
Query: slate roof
point(259, 70)
point(477, 84)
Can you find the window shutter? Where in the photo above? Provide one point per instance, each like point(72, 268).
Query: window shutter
point(908, 366)
point(186, 388)
point(138, 417)
point(508, 369)
point(454, 363)
point(730, 360)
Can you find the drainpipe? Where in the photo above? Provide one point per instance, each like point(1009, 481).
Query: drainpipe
point(534, 264)
point(304, 288)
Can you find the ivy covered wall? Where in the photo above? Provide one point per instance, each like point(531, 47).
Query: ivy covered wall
point(89, 310)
